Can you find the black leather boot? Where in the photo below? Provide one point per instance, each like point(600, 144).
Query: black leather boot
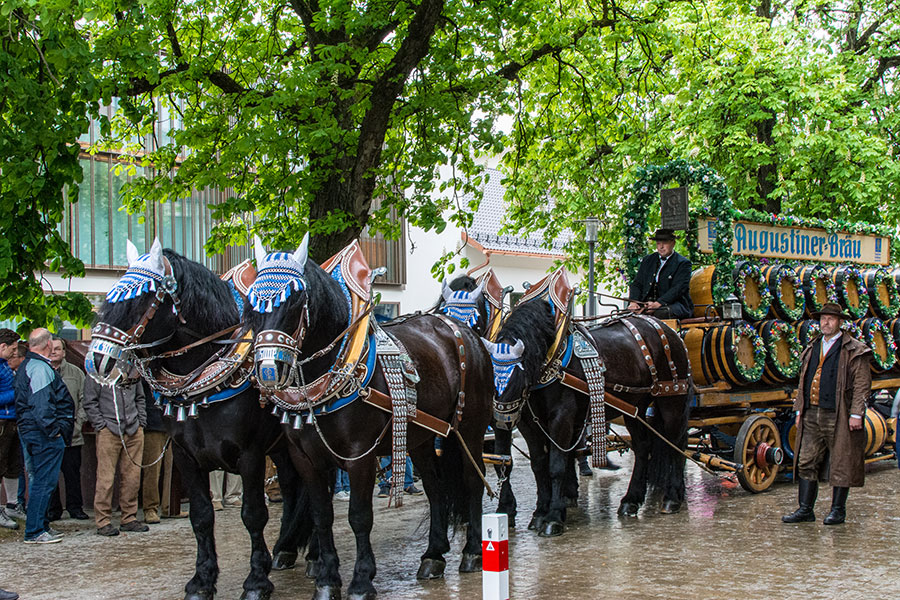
point(838, 506)
point(808, 490)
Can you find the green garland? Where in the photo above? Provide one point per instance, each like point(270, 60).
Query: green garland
point(750, 270)
point(876, 325)
point(854, 330)
point(818, 273)
point(645, 191)
point(893, 306)
point(852, 273)
point(799, 298)
point(781, 330)
point(812, 331)
point(750, 373)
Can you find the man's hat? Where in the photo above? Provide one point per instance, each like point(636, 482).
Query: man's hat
point(664, 235)
point(834, 309)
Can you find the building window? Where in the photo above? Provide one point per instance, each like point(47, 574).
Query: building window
point(382, 252)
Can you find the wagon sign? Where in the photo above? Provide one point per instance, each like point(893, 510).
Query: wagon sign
point(799, 243)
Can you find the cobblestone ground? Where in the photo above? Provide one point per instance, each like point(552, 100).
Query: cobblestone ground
point(726, 543)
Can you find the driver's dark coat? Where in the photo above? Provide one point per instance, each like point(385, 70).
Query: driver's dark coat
point(674, 284)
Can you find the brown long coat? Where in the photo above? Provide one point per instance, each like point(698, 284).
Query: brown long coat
point(854, 384)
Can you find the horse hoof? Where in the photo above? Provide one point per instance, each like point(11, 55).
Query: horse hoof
point(628, 509)
point(284, 560)
point(200, 595)
point(536, 523)
point(431, 568)
point(552, 529)
point(327, 592)
point(370, 595)
point(256, 595)
point(312, 569)
point(470, 563)
point(670, 507)
point(572, 502)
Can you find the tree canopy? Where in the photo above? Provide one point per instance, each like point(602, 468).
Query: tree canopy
point(309, 110)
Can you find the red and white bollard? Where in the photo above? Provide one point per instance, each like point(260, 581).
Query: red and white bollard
point(495, 556)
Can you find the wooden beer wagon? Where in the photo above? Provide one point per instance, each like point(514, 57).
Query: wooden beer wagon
point(757, 281)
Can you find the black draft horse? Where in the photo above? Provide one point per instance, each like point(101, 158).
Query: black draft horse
point(351, 437)
point(553, 417)
point(471, 309)
point(234, 434)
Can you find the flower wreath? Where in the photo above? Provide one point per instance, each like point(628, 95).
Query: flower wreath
point(854, 330)
point(645, 191)
point(813, 330)
point(893, 305)
point(879, 326)
point(780, 330)
point(744, 329)
point(852, 273)
point(799, 297)
point(819, 272)
point(750, 270)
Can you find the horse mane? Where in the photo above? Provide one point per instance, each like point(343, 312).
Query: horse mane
point(206, 301)
point(532, 322)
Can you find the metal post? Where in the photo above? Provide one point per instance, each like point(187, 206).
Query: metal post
point(495, 556)
point(590, 235)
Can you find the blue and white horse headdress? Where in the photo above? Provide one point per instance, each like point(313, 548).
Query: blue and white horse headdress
point(505, 359)
point(279, 274)
point(145, 273)
point(462, 305)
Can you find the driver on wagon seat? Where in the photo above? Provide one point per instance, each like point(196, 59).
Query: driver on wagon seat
point(662, 285)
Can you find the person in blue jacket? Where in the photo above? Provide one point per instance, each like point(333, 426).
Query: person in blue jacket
point(10, 453)
point(46, 416)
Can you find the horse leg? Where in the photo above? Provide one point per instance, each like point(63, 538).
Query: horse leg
point(570, 483)
point(471, 555)
point(554, 521)
point(296, 526)
point(202, 586)
point(432, 563)
point(667, 467)
point(507, 503)
point(362, 479)
point(540, 467)
point(255, 515)
point(637, 487)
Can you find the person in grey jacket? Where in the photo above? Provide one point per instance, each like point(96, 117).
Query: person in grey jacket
point(118, 414)
point(46, 414)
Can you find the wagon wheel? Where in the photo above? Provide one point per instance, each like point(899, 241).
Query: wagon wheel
point(758, 448)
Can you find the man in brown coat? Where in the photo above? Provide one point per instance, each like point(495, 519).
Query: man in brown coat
point(835, 382)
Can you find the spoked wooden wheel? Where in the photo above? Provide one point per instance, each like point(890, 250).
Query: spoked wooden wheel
point(758, 448)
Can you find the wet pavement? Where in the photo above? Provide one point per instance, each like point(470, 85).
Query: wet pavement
point(726, 543)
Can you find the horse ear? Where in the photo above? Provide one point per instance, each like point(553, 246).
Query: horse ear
point(302, 252)
point(517, 350)
point(259, 251)
point(446, 292)
point(156, 255)
point(491, 346)
point(131, 252)
point(477, 291)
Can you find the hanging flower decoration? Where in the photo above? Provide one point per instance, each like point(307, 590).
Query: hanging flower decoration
point(753, 372)
point(870, 332)
point(808, 333)
point(880, 279)
point(745, 273)
point(811, 275)
point(845, 278)
point(799, 305)
point(782, 332)
point(645, 191)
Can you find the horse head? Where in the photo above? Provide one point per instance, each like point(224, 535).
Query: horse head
point(279, 313)
point(464, 300)
point(141, 308)
point(510, 381)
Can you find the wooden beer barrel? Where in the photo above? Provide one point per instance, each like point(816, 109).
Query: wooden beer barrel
point(884, 301)
point(694, 341)
point(807, 331)
point(735, 353)
point(851, 290)
point(701, 289)
point(788, 300)
point(894, 325)
point(877, 335)
point(782, 351)
point(876, 431)
point(818, 288)
point(751, 290)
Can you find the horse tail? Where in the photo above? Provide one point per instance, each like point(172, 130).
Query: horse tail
point(666, 468)
point(454, 493)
